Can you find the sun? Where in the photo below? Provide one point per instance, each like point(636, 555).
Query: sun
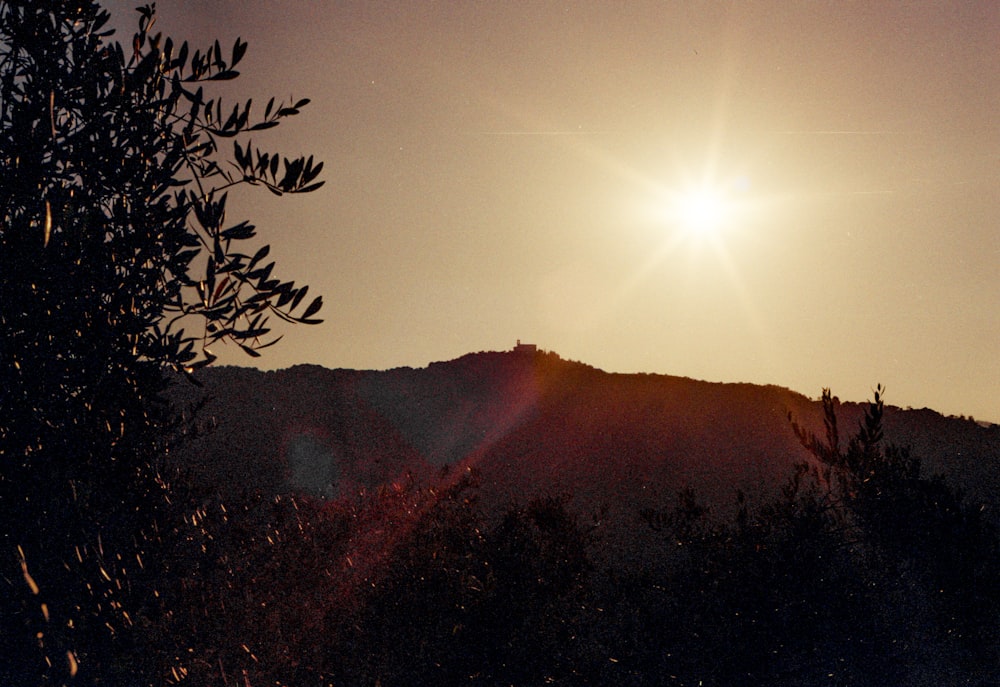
point(699, 211)
point(701, 214)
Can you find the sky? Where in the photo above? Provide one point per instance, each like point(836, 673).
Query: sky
point(518, 170)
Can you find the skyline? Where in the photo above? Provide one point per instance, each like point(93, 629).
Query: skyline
point(503, 172)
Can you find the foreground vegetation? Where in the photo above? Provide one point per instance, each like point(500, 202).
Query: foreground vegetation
point(863, 572)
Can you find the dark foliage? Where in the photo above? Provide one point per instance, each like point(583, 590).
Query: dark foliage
point(863, 572)
point(118, 265)
point(402, 586)
point(470, 601)
point(250, 584)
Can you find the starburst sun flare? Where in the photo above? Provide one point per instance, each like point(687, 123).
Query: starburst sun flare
point(699, 211)
point(704, 210)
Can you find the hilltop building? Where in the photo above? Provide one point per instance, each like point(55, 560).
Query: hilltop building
point(525, 348)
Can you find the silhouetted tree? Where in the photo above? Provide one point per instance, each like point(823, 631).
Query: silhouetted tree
point(472, 600)
point(932, 557)
point(118, 264)
point(862, 572)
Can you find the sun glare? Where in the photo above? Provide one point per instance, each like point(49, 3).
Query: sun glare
point(700, 210)
point(696, 211)
point(708, 208)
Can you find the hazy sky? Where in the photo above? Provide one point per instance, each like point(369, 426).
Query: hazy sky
point(505, 170)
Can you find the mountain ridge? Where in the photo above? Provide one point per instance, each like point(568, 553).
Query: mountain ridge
point(530, 423)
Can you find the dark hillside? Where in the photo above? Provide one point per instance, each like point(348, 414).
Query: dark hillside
point(533, 423)
point(298, 430)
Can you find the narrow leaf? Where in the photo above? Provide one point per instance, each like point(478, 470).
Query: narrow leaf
point(48, 223)
point(258, 256)
point(225, 75)
point(299, 295)
point(249, 351)
point(239, 49)
point(313, 307)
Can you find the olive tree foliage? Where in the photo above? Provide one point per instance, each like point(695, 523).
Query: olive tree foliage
point(118, 264)
point(112, 168)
